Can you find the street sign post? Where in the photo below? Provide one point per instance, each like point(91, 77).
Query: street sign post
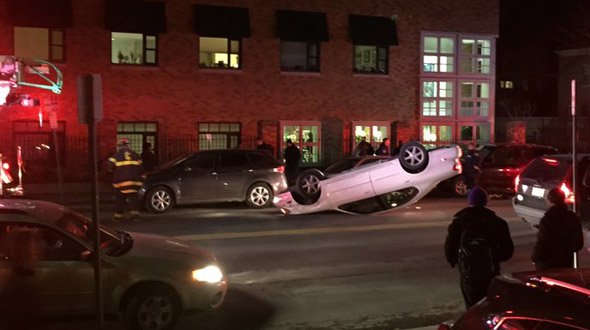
point(574, 154)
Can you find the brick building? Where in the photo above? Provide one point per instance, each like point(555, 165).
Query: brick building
point(189, 75)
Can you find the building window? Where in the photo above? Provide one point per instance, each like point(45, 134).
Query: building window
point(475, 99)
point(300, 56)
point(219, 53)
point(438, 54)
point(476, 56)
point(219, 136)
point(371, 59)
point(372, 132)
point(506, 84)
point(434, 135)
point(134, 49)
point(138, 134)
point(437, 98)
point(39, 43)
point(306, 135)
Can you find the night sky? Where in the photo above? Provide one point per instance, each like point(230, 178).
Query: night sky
point(530, 33)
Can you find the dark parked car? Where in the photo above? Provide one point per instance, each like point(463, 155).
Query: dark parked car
point(545, 173)
point(500, 168)
point(555, 299)
point(254, 176)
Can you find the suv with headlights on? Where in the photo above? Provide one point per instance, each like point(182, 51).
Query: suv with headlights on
point(547, 172)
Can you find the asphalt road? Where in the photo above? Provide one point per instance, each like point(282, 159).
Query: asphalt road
point(330, 270)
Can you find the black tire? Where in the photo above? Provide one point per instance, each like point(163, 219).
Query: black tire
point(259, 195)
point(308, 183)
point(160, 200)
point(413, 157)
point(460, 186)
point(152, 307)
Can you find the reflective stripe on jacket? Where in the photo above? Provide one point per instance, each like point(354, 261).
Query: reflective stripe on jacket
point(128, 172)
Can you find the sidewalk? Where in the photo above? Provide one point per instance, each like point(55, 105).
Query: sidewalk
point(73, 192)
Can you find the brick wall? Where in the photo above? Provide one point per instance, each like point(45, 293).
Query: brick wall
point(177, 94)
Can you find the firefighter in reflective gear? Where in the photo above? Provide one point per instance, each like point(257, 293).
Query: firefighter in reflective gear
point(128, 176)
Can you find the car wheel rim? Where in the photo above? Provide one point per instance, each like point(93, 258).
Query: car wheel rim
point(260, 195)
point(414, 156)
point(161, 200)
point(155, 313)
point(461, 187)
point(311, 184)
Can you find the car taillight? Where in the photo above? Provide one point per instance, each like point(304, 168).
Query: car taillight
point(458, 167)
point(569, 194)
point(516, 182)
point(279, 169)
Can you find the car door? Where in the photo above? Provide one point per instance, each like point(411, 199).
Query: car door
point(45, 269)
point(234, 172)
point(198, 181)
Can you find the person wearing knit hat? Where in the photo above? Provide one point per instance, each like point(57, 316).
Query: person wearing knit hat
point(560, 234)
point(477, 197)
point(479, 223)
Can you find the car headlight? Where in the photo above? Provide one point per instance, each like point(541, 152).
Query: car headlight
point(209, 274)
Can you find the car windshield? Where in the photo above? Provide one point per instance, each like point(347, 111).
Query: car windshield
point(342, 165)
point(174, 162)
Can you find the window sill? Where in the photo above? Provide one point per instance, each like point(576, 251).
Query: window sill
point(372, 75)
point(301, 73)
point(135, 67)
point(220, 71)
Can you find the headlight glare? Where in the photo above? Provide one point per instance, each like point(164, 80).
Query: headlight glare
point(209, 274)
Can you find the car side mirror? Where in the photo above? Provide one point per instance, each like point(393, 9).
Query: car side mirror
point(586, 179)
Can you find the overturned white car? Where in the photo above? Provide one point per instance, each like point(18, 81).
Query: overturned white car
point(377, 185)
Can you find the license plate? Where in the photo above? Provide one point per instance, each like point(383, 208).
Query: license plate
point(538, 192)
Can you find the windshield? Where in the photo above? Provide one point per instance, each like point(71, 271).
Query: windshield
point(546, 170)
point(174, 162)
point(342, 165)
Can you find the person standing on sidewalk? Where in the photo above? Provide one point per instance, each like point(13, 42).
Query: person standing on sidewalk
point(128, 176)
point(560, 235)
point(477, 241)
point(292, 158)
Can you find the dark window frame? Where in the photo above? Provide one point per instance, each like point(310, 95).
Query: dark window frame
point(146, 136)
point(228, 53)
point(229, 134)
point(144, 48)
point(309, 57)
point(378, 61)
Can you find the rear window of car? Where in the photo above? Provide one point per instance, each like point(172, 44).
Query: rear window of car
point(263, 160)
point(516, 155)
point(546, 170)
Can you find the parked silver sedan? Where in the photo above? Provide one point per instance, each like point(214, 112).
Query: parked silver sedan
point(46, 266)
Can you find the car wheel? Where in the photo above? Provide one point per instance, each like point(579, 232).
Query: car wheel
point(152, 308)
point(460, 186)
point(259, 195)
point(160, 200)
point(413, 157)
point(308, 183)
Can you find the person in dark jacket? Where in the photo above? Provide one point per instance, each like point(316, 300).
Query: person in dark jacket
point(292, 157)
point(494, 230)
point(384, 148)
point(261, 145)
point(471, 163)
point(148, 157)
point(560, 235)
point(128, 176)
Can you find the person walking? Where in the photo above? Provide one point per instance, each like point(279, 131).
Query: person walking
point(292, 157)
point(261, 145)
point(477, 241)
point(148, 157)
point(128, 176)
point(560, 235)
point(471, 162)
point(384, 148)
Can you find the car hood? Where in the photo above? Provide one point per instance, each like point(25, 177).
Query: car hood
point(168, 248)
